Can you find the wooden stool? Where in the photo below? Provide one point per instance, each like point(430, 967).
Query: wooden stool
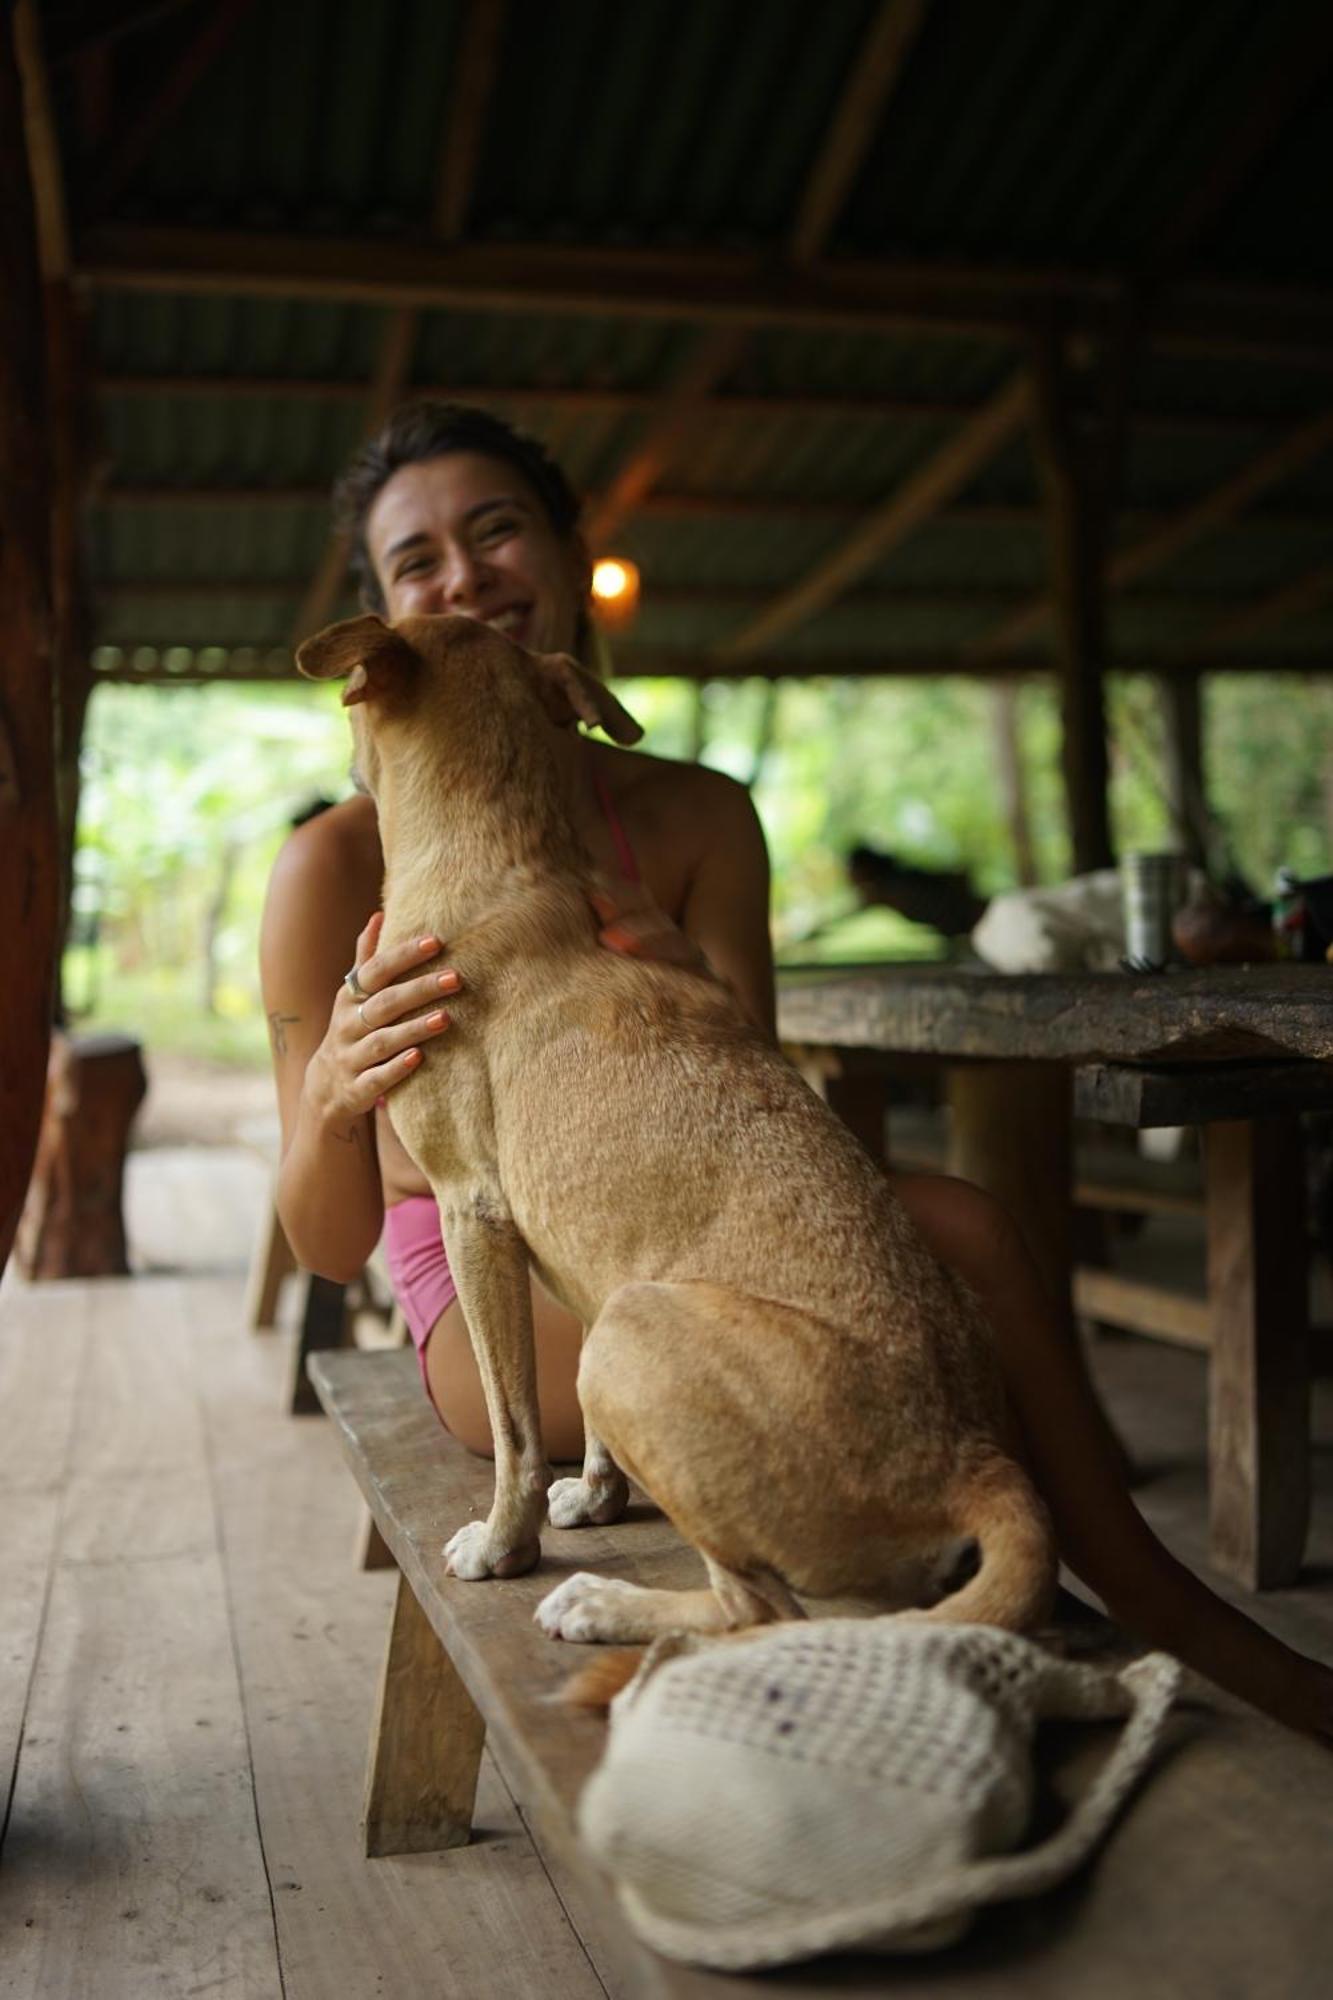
point(73, 1224)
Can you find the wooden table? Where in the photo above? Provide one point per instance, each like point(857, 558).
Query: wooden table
point(1239, 1050)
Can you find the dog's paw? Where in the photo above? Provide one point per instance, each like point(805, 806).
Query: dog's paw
point(476, 1551)
point(580, 1503)
point(589, 1608)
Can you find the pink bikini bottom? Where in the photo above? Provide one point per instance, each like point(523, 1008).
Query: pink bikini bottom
point(418, 1268)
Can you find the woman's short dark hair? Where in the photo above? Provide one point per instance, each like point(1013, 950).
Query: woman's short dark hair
point(420, 431)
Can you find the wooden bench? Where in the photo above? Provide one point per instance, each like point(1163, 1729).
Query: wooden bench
point(465, 1665)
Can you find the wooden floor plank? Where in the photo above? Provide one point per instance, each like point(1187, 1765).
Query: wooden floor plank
point(131, 1865)
point(310, 1630)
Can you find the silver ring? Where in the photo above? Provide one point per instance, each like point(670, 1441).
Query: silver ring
point(353, 984)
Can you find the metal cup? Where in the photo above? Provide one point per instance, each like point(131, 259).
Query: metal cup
point(1154, 887)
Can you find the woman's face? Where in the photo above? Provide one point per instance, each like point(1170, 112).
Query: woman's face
point(467, 533)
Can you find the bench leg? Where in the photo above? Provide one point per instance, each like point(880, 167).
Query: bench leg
point(425, 1748)
point(323, 1325)
point(1259, 1385)
point(272, 1262)
point(370, 1550)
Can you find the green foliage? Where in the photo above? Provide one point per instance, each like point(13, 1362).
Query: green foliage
point(188, 793)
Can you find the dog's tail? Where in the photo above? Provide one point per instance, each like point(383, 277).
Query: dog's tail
point(596, 1685)
point(996, 1503)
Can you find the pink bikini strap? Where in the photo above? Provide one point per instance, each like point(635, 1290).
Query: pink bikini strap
point(629, 867)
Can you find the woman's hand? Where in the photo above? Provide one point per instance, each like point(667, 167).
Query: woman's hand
point(369, 1046)
point(630, 921)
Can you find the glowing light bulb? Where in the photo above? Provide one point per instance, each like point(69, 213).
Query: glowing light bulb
point(615, 590)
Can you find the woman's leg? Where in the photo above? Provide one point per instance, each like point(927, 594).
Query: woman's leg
point(455, 1382)
point(1076, 1461)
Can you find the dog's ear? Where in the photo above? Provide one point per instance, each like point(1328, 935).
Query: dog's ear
point(572, 694)
point(369, 654)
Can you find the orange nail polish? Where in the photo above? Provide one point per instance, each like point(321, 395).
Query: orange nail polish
point(440, 1020)
point(449, 982)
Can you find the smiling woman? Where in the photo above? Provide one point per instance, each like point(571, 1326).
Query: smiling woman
point(451, 511)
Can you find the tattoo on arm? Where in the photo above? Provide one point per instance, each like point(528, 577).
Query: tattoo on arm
point(278, 1025)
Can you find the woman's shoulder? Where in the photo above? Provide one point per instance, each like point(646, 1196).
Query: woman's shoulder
point(337, 852)
point(669, 786)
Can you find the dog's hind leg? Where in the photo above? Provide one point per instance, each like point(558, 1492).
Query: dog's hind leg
point(603, 1608)
point(598, 1496)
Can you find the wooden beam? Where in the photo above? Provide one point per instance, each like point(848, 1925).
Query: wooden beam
point(999, 516)
point(266, 663)
point(141, 131)
point(66, 441)
point(920, 496)
point(571, 399)
point(710, 355)
point(1178, 531)
point(721, 597)
point(704, 287)
point(29, 845)
point(870, 83)
point(1076, 528)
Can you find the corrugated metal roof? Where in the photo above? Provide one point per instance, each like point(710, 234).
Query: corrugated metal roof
point(1031, 133)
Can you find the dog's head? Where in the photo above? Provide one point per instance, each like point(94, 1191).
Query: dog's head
point(477, 689)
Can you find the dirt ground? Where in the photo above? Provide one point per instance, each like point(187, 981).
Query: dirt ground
point(195, 1103)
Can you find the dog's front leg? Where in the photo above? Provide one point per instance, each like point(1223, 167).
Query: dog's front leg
point(489, 1261)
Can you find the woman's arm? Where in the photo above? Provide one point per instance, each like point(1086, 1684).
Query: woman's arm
point(332, 1062)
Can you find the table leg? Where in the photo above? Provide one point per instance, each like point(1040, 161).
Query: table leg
point(1259, 1386)
point(1010, 1133)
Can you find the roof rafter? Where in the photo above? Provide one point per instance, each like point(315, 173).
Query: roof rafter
point(1178, 531)
point(140, 133)
point(920, 496)
point(873, 72)
point(871, 79)
point(474, 80)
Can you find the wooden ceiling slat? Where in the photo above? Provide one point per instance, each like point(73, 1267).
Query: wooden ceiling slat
point(921, 495)
point(1191, 524)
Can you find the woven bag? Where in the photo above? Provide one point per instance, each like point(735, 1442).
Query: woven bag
point(846, 1783)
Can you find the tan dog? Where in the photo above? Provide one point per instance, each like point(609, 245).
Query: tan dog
point(771, 1351)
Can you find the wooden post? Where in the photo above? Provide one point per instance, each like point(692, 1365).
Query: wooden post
point(29, 847)
point(1182, 716)
point(426, 1744)
point(1259, 1386)
point(1009, 767)
point(1075, 516)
